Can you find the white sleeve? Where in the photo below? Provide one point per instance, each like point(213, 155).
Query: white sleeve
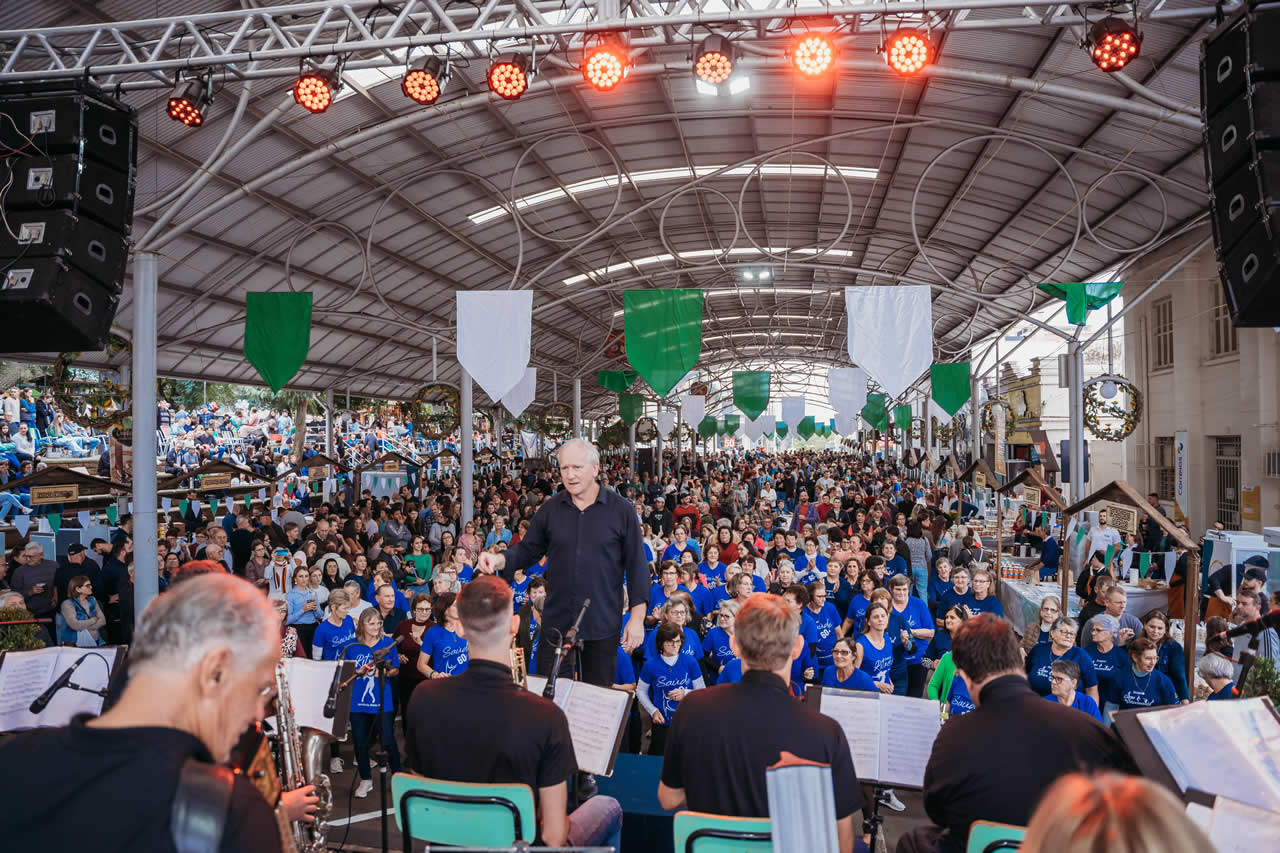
point(642, 694)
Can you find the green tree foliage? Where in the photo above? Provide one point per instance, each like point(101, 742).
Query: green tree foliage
point(1263, 680)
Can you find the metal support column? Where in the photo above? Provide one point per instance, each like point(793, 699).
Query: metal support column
point(1075, 418)
point(657, 451)
point(975, 419)
point(465, 418)
point(631, 460)
point(577, 407)
point(146, 573)
point(328, 423)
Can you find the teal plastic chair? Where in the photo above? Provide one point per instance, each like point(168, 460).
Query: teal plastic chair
point(698, 832)
point(987, 837)
point(462, 814)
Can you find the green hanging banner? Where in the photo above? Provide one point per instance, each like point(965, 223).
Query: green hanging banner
point(1083, 297)
point(630, 407)
point(1144, 563)
point(950, 384)
point(664, 334)
point(751, 392)
point(248, 502)
point(113, 512)
point(277, 334)
point(731, 424)
point(55, 521)
point(616, 381)
point(876, 412)
point(806, 427)
point(902, 416)
point(182, 510)
point(782, 429)
point(707, 427)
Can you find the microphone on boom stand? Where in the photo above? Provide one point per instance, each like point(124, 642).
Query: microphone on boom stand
point(569, 641)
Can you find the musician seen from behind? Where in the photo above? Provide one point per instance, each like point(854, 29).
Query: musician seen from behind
point(717, 752)
point(201, 672)
point(500, 732)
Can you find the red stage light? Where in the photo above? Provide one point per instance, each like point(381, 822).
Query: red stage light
point(1113, 44)
point(314, 90)
point(187, 103)
point(604, 65)
point(423, 81)
point(714, 61)
point(907, 51)
point(509, 76)
point(813, 55)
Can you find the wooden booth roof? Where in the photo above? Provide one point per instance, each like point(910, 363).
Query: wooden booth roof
point(1119, 491)
point(213, 466)
point(1031, 477)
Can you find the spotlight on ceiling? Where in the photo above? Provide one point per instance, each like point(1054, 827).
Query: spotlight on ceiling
point(314, 90)
point(1113, 43)
point(509, 75)
point(424, 80)
point(605, 63)
point(907, 51)
point(813, 55)
point(713, 63)
point(187, 102)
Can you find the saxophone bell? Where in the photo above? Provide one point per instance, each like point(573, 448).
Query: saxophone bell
point(519, 669)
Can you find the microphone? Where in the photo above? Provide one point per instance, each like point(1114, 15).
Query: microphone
point(331, 701)
point(1257, 626)
point(572, 633)
point(60, 682)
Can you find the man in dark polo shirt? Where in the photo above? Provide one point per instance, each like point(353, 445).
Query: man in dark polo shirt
point(480, 726)
point(593, 543)
point(996, 762)
point(717, 751)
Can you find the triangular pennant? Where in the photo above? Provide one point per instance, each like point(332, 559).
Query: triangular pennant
point(693, 408)
point(55, 521)
point(262, 494)
point(616, 381)
point(751, 392)
point(663, 333)
point(781, 428)
point(166, 504)
point(902, 314)
point(950, 387)
point(630, 407)
point(1111, 552)
point(277, 334)
point(82, 518)
point(902, 416)
point(230, 504)
point(112, 512)
point(707, 427)
point(248, 502)
point(1144, 563)
point(666, 422)
point(196, 506)
point(22, 523)
point(518, 398)
point(1083, 297)
point(876, 412)
point(494, 333)
point(1080, 534)
point(731, 424)
point(792, 411)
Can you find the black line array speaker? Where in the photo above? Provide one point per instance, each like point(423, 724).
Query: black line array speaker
point(1240, 103)
point(68, 157)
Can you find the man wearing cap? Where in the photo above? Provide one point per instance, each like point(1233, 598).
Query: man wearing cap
point(661, 520)
point(686, 510)
point(75, 563)
point(279, 572)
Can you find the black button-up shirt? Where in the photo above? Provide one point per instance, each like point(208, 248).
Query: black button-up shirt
point(590, 554)
point(718, 751)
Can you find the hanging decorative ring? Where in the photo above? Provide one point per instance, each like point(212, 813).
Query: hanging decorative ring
point(434, 411)
point(1097, 407)
point(97, 406)
point(684, 431)
point(988, 414)
point(915, 431)
point(556, 421)
point(944, 432)
point(646, 430)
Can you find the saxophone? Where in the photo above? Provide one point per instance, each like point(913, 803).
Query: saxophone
point(519, 671)
point(302, 756)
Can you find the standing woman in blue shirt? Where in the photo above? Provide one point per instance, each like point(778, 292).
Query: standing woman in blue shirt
point(1061, 646)
point(716, 644)
point(444, 652)
point(304, 608)
point(1172, 659)
point(914, 614)
point(825, 620)
point(983, 600)
point(665, 681)
point(1142, 685)
point(365, 702)
point(855, 617)
point(882, 654)
point(1109, 659)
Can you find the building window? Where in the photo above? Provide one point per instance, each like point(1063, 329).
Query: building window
point(1163, 465)
point(1162, 333)
point(1227, 466)
point(1222, 336)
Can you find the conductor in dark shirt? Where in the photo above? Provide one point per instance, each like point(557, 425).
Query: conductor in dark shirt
point(717, 752)
point(481, 726)
point(995, 763)
point(593, 543)
point(201, 671)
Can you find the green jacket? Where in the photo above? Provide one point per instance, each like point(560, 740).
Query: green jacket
point(940, 684)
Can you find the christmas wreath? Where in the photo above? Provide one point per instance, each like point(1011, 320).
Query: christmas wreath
point(434, 411)
point(915, 431)
point(684, 431)
point(96, 405)
point(989, 418)
point(944, 432)
point(1097, 407)
point(556, 421)
point(646, 430)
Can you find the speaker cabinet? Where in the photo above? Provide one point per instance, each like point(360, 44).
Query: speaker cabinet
point(62, 119)
point(50, 306)
point(90, 247)
point(67, 181)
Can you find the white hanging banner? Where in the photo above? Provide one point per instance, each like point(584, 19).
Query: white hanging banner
point(529, 443)
point(756, 429)
point(844, 422)
point(890, 333)
point(494, 333)
point(693, 409)
point(792, 412)
point(518, 398)
point(847, 389)
point(666, 422)
point(22, 523)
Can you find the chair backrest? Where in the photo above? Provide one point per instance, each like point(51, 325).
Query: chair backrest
point(698, 832)
point(986, 837)
point(461, 813)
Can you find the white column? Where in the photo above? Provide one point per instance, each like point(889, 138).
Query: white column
point(577, 407)
point(465, 418)
point(328, 423)
point(657, 451)
point(632, 459)
point(146, 579)
point(1075, 416)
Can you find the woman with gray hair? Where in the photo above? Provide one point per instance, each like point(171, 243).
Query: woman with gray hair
point(1109, 660)
point(1061, 646)
point(1218, 672)
point(1064, 676)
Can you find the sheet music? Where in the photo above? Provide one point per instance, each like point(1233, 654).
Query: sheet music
point(596, 715)
point(1235, 827)
point(802, 801)
point(858, 713)
point(1230, 748)
point(25, 675)
point(908, 729)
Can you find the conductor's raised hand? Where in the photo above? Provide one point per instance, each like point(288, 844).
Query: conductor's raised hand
point(490, 564)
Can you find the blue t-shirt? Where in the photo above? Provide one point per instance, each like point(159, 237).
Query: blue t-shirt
point(626, 671)
point(716, 644)
point(916, 615)
point(658, 595)
point(520, 593)
point(990, 604)
point(662, 679)
point(825, 622)
point(1108, 667)
point(447, 651)
point(1228, 692)
point(858, 681)
point(958, 699)
point(879, 663)
point(802, 563)
point(364, 692)
point(1083, 702)
point(798, 666)
point(331, 639)
point(858, 611)
point(692, 647)
point(1040, 659)
point(672, 551)
point(703, 600)
point(896, 566)
point(1144, 691)
point(808, 627)
point(713, 574)
point(1049, 555)
point(732, 672)
point(951, 598)
point(939, 645)
point(937, 587)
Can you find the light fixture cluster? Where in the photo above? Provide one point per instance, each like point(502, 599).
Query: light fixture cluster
point(188, 101)
point(1113, 43)
point(314, 90)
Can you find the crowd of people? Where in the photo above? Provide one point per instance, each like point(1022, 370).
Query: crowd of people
point(869, 574)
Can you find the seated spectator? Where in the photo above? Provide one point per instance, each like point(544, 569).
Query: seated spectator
point(1063, 680)
point(1218, 672)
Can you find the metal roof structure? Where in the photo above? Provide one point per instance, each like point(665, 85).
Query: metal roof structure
point(1010, 161)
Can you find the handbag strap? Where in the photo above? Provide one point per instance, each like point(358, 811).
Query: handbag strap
point(200, 807)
